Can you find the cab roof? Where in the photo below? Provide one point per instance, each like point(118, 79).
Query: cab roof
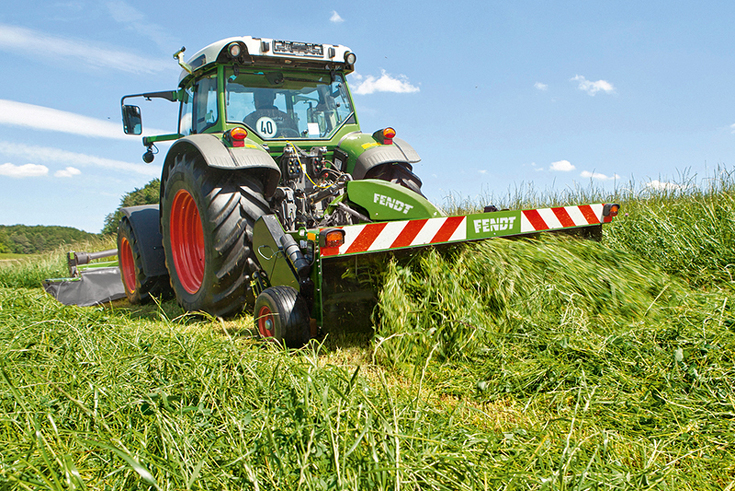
point(271, 52)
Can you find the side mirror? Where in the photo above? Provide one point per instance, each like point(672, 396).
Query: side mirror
point(132, 121)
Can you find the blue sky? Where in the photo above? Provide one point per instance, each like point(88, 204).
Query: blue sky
point(494, 95)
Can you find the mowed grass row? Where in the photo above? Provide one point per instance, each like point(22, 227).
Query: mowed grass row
point(545, 364)
point(99, 398)
point(96, 399)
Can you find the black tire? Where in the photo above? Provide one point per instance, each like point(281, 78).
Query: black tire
point(282, 314)
point(207, 223)
point(138, 286)
point(397, 173)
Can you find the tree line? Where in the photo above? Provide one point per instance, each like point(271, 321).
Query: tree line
point(147, 195)
point(27, 239)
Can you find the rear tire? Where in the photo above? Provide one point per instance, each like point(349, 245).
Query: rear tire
point(138, 286)
point(207, 222)
point(397, 173)
point(282, 314)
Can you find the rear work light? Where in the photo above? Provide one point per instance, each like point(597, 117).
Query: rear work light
point(234, 50)
point(237, 136)
point(331, 237)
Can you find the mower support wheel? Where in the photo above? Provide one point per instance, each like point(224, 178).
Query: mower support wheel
point(138, 286)
point(281, 313)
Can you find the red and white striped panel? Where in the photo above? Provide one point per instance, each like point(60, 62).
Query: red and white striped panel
point(392, 235)
point(410, 233)
point(562, 217)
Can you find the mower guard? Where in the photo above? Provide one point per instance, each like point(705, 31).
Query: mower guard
point(88, 284)
point(341, 288)
point(93, 287)
point(386, 236)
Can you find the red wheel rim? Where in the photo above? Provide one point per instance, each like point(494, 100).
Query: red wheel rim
point(127, 265)
point(265, 322)
point(187, 241)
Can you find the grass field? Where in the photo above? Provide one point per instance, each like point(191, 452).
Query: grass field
point(544, 364)
point(9, 256)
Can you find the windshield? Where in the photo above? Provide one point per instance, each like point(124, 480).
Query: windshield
point(287, 104)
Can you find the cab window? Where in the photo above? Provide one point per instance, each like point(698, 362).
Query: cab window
point(287, 104)
point(199, 106)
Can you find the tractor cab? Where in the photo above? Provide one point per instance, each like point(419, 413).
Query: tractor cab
point(272, 104)
point(278, 90)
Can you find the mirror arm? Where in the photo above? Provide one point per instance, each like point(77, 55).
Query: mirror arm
point(169, 95)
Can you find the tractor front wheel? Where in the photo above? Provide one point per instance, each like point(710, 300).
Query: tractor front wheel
point(397, 173)
point(282, 314)
point(207, 223)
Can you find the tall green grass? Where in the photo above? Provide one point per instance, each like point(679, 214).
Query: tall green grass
point(31, 270)
point(620, 354)
point(527, 196)
point(530, 364)
point(685, 225)
point(687, 229)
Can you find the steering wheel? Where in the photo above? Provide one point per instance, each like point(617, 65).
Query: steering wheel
point(288, 132)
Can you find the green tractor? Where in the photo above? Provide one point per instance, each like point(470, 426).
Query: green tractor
point(270, 184)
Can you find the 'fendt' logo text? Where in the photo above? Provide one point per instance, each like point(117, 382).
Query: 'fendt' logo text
point(392, 203)
point(493, 224)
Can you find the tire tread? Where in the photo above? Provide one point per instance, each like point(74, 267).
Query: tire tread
point(228, 214)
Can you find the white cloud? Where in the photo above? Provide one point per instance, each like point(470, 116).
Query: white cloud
point(44, 118)
point(562, 166)
point(593, 88)
point(28, 170)
point(732, 127)
point(483, 171)
point(68, 172)
point(55, 156)
point(386, 83)
point(336, 18)
point(668, 186)
point(535, 167)
point(136, 21)
point(29, 43)
point(596, 175)
point(541, 87)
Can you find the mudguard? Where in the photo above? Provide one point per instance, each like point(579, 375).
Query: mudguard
point(217, 155)
point(365, 152)
point(145, 221)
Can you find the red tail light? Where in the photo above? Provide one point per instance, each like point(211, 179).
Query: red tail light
point(331, 237)
point(611, 210)
point(237, 136)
